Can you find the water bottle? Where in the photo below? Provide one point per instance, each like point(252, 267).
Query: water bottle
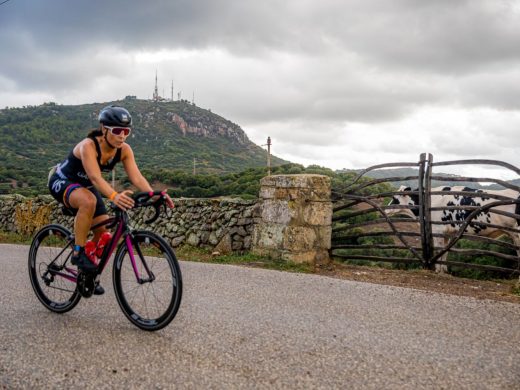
point(90, 251)
point(104, 240)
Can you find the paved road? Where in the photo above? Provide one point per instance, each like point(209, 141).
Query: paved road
point(252, 328)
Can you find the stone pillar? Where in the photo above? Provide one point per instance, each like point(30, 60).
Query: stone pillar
point(294, 219)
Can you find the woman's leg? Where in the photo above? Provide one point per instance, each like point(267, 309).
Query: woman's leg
point(100, 214)
point(100, 230)
point(85, 202)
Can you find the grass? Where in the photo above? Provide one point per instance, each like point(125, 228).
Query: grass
point(14, 238)
point(190, 253)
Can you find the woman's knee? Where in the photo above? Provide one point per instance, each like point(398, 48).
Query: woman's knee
point(83, 200)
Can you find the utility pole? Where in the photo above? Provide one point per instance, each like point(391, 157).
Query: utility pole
point(268, 156)
point(172, 90)
point(194, 166)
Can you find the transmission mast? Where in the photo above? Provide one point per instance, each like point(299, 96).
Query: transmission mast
point(155, 91)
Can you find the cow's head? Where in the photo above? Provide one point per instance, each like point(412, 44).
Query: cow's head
point(405, 200)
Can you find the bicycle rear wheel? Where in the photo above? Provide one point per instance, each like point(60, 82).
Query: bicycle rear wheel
point(152, 302)
point(52, 276)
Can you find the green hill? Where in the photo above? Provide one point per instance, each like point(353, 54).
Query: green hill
point(167, 135)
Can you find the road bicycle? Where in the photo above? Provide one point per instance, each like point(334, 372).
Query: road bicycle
point(146, 274)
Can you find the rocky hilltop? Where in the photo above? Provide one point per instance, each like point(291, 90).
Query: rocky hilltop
point(189, 119)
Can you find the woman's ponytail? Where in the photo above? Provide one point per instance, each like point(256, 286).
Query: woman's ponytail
point(94, 133)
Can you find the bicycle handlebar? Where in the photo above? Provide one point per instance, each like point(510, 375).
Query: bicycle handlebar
point(144, 199)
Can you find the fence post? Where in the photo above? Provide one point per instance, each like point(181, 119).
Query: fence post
point(428, 236)
point(420, 189)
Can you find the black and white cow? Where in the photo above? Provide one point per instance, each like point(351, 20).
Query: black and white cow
point(477, 226)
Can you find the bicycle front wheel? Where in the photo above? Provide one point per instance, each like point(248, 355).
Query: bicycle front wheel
point(147, 280)
point(52, 276)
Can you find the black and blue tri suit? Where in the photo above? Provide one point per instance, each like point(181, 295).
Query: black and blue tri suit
point(70, 175)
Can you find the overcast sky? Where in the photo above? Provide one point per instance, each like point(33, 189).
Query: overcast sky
point(339, 83)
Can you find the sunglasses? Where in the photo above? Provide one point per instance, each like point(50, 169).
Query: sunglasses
point(119, 130)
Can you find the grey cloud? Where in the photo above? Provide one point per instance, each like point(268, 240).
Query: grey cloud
point(145, 24)
point(432, 36)
point(423, 37)
point(442, 35)
point(319, 68)
point(500, 89)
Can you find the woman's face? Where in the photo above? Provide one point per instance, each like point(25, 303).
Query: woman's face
point(116, 135)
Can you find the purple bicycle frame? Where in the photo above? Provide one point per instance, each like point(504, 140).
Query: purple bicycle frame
point(71, 274)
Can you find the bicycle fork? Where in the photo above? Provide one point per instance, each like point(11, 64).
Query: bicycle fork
point(151, 276)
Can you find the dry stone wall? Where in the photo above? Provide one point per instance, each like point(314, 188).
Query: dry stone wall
point(291, 220)
point(224, 224)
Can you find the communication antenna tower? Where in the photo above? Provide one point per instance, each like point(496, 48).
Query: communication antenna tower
point(155, 91)
point(172, 90)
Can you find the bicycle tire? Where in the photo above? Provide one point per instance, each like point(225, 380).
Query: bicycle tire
point(134, 297)
point(48, 257)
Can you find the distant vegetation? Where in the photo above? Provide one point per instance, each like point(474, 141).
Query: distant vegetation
point(245, 184)
point(167, 136)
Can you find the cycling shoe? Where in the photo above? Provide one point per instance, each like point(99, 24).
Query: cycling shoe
point(83, 262)
point(99, 290)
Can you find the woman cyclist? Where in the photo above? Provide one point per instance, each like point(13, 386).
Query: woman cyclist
point(78, 184)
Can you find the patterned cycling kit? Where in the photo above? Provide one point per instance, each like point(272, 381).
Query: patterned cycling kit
point(70, 175)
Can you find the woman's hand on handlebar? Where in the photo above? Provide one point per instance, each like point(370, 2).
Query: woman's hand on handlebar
point(169, 201)
point(123, 200)
point(166, 198)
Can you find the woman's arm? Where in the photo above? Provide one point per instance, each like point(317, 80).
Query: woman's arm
point(133, 172)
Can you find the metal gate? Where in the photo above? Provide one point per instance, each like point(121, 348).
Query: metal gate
point(367, 227)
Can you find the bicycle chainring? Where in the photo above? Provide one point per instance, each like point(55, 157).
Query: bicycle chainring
point(86, 284)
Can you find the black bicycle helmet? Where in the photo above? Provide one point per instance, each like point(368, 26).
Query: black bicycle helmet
point(115, 116)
